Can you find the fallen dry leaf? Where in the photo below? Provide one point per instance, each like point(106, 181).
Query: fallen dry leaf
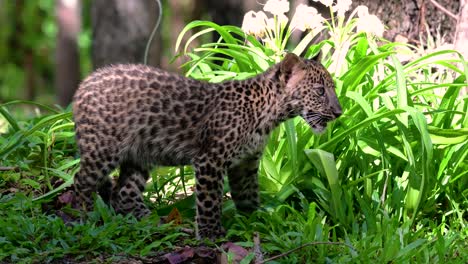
point(180, 256)
point(188, 254)
point(174, 217)
point(239, 253)
point(66, 198)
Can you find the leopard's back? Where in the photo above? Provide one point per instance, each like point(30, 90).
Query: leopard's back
point(139, 113)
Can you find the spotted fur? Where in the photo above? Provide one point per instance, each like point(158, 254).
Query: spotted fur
point(133, 117)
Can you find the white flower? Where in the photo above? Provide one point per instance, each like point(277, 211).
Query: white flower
point(341, 7)
point(276, 7)
point(325, 2)
point(368, 23)
point(70, 3)
point(306, 17)
point(254, 23)
point(362, 11)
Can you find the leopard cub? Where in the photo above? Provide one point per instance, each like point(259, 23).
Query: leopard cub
point(133, 117)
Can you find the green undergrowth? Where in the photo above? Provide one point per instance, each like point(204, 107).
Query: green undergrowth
point(28, 235)
point(283, 228)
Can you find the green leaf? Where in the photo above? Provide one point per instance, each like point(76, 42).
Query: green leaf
point(354, 76)
point(402, 96)
point(325, 163)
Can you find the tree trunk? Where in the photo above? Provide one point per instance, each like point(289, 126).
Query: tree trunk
point(67, 66)
point(461, 34)
point(121, 29)
point(23, 54)
point(180, 12)
point(226, 12)
point(408, 18)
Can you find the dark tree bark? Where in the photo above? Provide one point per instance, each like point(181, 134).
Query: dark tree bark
point(182, 13)
point(408, 18)
point(227, 12)
point(23, 54)
point(121, 29)
point(67, 66)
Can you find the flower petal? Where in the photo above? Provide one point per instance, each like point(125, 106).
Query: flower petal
point(276, 7)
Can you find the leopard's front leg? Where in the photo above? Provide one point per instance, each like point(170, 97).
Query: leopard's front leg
point(209, 192)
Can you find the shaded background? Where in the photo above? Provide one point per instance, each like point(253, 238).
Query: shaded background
point(47, 46)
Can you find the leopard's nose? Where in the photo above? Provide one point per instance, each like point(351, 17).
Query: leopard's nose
point(336, 110)
point(337, 113)
point(336, 107)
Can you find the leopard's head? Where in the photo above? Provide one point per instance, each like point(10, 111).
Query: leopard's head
point(310, 89)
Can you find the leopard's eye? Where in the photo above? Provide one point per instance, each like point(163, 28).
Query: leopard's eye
point(320, 90)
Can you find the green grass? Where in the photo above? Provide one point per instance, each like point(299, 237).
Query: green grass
point(30, 235)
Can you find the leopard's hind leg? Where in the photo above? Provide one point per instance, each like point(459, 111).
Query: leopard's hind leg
point(127, 196)
point(93, 177)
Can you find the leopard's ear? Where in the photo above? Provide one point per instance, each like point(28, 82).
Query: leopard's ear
point(292, 70)
point(317, 57)
point(290, 63)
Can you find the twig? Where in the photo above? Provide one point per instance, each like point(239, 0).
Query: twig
point(187, 231)
point(422, 16)
point(257, 250)
point(134, 258)
point(153, 32)
point(443, 9)
point(9, 168)
point(306, 245)
point(384, 191)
